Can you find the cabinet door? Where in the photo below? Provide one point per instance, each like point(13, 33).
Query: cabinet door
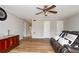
point(7, 43)
point(2, 45)
point(16, 40)
point(11, 42)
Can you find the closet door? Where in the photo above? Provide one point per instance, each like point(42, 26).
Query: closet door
point(46, 29)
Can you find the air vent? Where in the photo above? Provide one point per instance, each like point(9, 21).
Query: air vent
point(34, 20)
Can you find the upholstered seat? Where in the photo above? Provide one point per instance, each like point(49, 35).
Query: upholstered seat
point(72, 36)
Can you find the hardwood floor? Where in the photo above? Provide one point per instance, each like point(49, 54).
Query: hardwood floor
point(34, 45)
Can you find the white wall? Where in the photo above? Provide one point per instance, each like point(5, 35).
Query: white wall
point(59, 26)
point(39, 29)
point(56, 27)
point(72, 23)
point(14, 24)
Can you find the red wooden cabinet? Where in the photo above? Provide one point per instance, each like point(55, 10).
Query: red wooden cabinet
point(2, 45)
point(8, 43)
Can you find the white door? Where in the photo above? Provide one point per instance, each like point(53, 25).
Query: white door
point(46, 29)
point(37, 29)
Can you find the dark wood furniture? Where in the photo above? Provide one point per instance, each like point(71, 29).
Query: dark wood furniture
point(66, 48)
point(8, 42)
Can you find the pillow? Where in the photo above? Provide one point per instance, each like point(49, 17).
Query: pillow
point(63, 41)
point(71, 37)
point(68, 40)
point(56, 37)
point(61, 34)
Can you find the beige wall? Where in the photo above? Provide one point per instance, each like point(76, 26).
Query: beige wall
point(72, 23)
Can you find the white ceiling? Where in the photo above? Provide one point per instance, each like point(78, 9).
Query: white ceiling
point(27, 12)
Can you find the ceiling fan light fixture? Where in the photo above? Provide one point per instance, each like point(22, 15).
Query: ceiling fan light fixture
point(46, 9)
point(45, 14)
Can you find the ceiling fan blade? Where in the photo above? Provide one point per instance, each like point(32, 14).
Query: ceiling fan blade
point(39, 13)
point(52, 11)
point(39, 8)
point(53, 6)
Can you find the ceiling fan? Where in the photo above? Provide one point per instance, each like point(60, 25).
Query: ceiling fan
point(46, 10)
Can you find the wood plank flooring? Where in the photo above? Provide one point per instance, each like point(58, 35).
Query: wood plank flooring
point(34, 45)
